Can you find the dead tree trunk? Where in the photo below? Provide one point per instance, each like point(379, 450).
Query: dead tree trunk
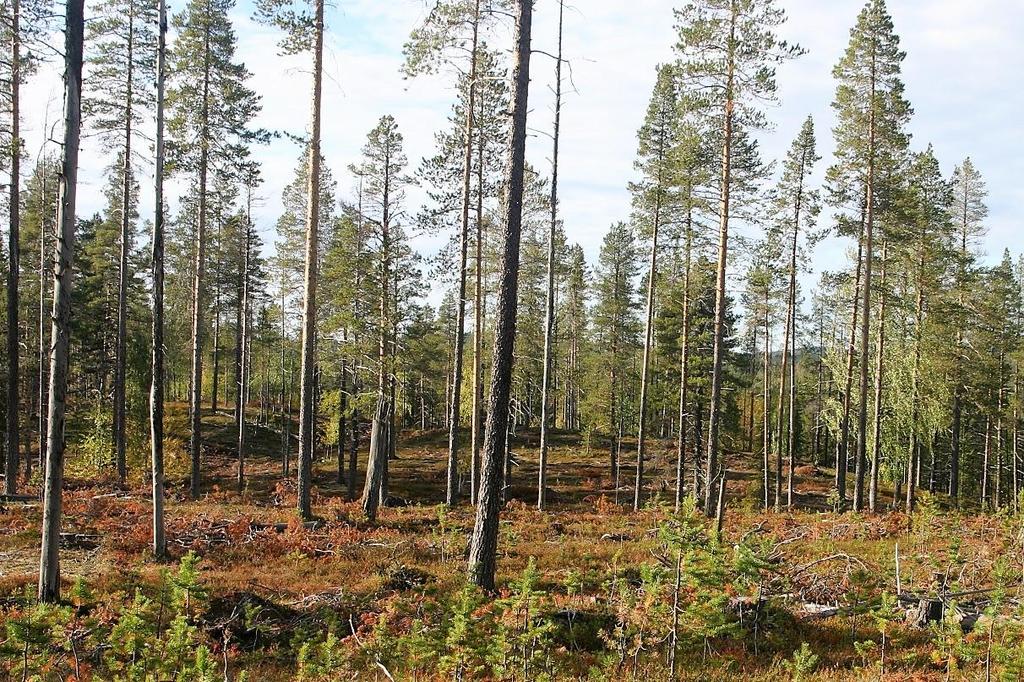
point(53, 485)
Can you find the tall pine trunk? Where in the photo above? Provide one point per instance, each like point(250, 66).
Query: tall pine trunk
point(711, 463)
point(684, 368)
point(156, 392)
point(865, 329)
point(479, 305)
point(243, 369)
point(196, 386)
point(307, 444)
point(454, 418)
point(645, 367)
point(876, 453)
point(843, 446)
point(484, 542)
point(12, 443)
point(549, 318)
point(53, 485)
point(122, 274)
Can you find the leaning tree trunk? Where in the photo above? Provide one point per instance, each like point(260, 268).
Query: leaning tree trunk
point(549, 319)
point(307, 396)
point(53, 485)
point(484, 542)
point(13, 247)
point(454, 416)
point(714, 419)
point(156, 393)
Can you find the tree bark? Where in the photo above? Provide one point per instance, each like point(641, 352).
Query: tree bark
point(307, 436)
point(484, 542)
point(53, 485)
point(156, 391)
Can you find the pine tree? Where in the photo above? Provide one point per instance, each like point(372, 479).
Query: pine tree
point(798, 207)
point(870, 140)
point(304, 27)
point(549, 317)
point(382, 173)
point(728, 53)
point(209, 127)
point(653, 198)
point(122, 65)
point(24, 31)
point(433, 42)
point(969, 213)
point(615, 330)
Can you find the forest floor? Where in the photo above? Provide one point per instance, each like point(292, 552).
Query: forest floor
point(255, 554)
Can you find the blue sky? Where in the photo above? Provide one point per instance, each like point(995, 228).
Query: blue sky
point(963, 75)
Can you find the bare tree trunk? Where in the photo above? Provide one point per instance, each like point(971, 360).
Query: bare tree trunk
point(156, 391)
point(549, 319)
point(12, 444)
point(122, 275)
point(484, 542)
point(307, 426)
point(714, 421)
point(196, 386)
point(53, 486)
